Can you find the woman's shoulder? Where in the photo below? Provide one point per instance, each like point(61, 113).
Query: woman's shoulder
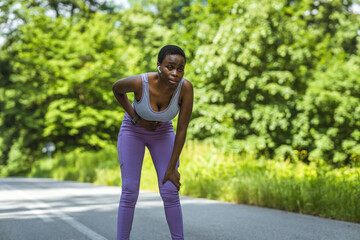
point(186, 89)
point(151, 75)
point(187, 85)
point(136, 80)
point(133, 81)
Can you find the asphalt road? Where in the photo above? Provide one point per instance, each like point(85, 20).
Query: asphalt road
point(39, 209)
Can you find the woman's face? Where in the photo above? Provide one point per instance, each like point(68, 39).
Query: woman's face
point(172, 69)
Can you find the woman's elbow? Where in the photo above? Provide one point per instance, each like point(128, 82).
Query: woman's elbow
point(114, 87)
point(182, 129)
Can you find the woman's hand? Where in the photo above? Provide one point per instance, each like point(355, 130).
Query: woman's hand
point(149, 125)
point(174, 177)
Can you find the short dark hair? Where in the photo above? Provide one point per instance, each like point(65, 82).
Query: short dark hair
point(170, 50)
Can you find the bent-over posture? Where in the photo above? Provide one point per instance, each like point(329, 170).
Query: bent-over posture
point(159, 97)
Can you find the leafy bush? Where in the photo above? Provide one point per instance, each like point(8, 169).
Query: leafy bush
point(265, 81)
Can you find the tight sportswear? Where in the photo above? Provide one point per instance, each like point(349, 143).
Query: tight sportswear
point(132, 141)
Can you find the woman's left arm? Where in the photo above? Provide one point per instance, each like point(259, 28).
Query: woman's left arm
point(183, 121)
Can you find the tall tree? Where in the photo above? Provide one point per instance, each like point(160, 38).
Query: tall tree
point(56, 80)
point(256, 67)
point(167, 12)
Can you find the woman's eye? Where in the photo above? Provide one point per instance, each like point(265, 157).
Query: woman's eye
point(170, 68)
point(180, 69)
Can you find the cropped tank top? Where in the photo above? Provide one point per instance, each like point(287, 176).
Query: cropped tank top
point(143, 107)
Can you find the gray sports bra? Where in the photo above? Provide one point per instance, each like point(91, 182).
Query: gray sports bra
point(143, 107)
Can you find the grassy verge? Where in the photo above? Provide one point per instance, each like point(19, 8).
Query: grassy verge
point(209, 173)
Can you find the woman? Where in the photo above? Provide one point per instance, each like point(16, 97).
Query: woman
point(159, 97)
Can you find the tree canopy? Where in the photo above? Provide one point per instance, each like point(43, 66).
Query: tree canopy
point(274, 78)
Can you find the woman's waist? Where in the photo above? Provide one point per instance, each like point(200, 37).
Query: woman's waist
point(127, 125)
point(127, 117)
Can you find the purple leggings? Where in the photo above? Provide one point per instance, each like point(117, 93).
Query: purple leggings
point(131, 148)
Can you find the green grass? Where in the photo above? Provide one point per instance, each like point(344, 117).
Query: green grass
point(210, 173)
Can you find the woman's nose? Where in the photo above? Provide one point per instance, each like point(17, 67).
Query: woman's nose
point(174, 73)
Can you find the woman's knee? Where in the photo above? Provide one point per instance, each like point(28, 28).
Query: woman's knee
point(129, 196)
point(169, 195)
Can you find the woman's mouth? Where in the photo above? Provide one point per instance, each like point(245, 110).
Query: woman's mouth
point(173, 82)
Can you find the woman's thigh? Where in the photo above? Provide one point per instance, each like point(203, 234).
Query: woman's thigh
point(161, 149)
point(131, 149)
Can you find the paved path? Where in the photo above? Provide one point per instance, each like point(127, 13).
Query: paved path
point(39, 209)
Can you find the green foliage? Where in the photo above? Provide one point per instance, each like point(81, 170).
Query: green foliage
point(254, 72)
point(166, 12)
point(329, 114)
point(277, 83)
point(245, 77)
point(78, 165)
point(312, 189)
point(57, 83)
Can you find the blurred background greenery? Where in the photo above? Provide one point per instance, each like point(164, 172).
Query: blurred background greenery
point(276, 118)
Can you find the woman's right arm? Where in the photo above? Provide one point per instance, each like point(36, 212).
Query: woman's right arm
point(132, 84)
point(123, 86)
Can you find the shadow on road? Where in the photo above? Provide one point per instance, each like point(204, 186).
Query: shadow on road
point(33, 208)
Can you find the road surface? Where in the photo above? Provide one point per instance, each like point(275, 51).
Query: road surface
point(39, 209)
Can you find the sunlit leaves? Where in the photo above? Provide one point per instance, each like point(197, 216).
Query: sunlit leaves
point(329, 112)
point(269, 76)
point(273, 66)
